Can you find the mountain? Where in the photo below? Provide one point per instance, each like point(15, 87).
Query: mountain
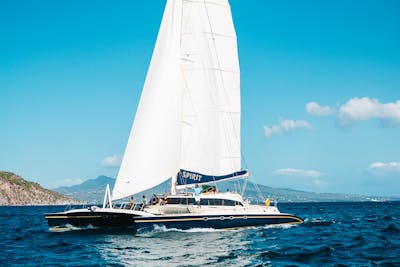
point(14, 190)
point(92, 191)
point(291, 195)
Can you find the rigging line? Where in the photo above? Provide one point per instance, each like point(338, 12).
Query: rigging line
point(223, 85)
point(256, 187)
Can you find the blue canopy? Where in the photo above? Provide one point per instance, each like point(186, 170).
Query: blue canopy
point(189, 178)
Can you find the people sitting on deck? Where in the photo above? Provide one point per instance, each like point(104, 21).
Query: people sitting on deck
point(197, 191)
point(154, 200)
point(131, 203)
point(208, 189)
point(164, 200)
point(267, 202)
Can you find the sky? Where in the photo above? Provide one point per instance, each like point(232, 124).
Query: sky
point(320, 89)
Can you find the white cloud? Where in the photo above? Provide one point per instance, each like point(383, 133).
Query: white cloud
point(314, 108)
point(111, 162)
point(299, 172)
point(382, 168)
point(285, 126)
point(357, 109)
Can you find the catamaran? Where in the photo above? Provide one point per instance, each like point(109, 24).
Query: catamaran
point(186, 129)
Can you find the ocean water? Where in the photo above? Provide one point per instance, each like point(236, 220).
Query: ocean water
point(334, 234)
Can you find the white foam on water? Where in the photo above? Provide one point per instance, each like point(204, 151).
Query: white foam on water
point(163, 229)
point(69, 227)
point(281, 226)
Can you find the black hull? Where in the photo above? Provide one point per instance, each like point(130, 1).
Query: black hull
point(217, 221)
point(101, 220)
point(105, 220)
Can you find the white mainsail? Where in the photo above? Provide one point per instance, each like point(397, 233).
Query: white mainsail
point(211, 102)
point(189, 112)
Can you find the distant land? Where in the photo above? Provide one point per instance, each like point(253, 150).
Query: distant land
point(92, 191)
point(14, 190)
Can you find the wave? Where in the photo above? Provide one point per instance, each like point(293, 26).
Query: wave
point(306, 256)
point(358, 238)
point(156, 229)
point(341, 236)
point(317, 222)
point(69, 227)
point(388, 218)
point(281, 226)
point(163, 229)
point(391, 229)
point(230, 256)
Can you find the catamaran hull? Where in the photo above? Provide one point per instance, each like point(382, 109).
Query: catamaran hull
point(216, 221)
point(89, 220)
point(104, 220)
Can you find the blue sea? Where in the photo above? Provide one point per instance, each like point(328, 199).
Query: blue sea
point(334, 234)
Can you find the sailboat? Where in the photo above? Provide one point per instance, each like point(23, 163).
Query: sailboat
point(186, 129)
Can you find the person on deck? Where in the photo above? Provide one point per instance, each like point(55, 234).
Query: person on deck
point(144, 202)
point(164, 200)
point(197, 192)
point(131, 203)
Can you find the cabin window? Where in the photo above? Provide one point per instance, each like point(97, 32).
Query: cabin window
point(237, 203)
point(177, 201)
point(216, 202)
point(174, 201)
point(228, 202)
point(204, 202)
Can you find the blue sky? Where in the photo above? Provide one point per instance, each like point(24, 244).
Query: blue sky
point(320, 89)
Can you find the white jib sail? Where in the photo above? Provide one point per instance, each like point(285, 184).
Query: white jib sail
point(152, 153)
point(189, 112)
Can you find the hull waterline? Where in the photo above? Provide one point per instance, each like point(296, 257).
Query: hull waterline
point(113, 220)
